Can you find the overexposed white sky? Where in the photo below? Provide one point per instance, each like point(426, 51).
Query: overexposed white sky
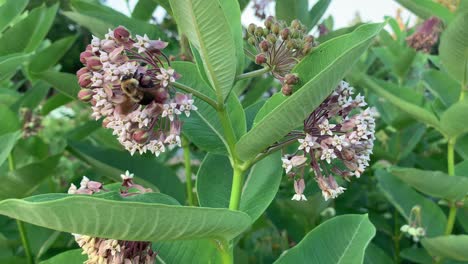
point(343, 11)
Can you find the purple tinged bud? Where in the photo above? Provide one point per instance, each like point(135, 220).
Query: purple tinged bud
point(285, 33)
point(94, 186)
point(157, 45)
point(286, 89)
point(82, 71)
point(121, 34)
point(85, 55)
point(269, 22)
point(260, 59)
point(85, 95)
point(94, 63)
point(84, 80)
point(291, 78)
point(161, 95)
point(264, 45)
point(251, 28)
point(108, 45)
point(141, 136)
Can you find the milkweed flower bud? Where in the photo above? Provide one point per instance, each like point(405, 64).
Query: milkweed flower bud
point(260, 59)
point(130, 95)
point(338, 139)
point(414, 227)
point(426, 36)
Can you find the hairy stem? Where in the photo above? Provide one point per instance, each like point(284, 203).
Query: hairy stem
point(451, 172)
point(203, 97)
point(188, 171)
point(252, 73)
point(21, 229)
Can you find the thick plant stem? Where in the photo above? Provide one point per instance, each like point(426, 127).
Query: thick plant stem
point(196, 93)
point(225, 252)
point(188, 171)
point(236, 190)
point(253, 73)
point(21, 230)
point(451, 172)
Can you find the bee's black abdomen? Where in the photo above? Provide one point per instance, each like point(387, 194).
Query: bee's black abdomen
point(147, 99)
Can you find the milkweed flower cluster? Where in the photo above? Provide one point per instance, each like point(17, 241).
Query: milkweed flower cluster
point(128, 83)
point(426, 36)
point(112, 251)
point(337, 140)
point(280, 47)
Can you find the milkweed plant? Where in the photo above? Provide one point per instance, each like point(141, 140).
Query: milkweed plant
point(208, 139)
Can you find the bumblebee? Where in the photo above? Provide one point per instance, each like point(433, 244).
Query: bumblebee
point(132, 88)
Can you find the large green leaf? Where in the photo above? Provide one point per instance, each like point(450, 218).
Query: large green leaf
point(434, 183)
point(214, 180)
point(10, 120)
point(66, 83)
point(317, 12)
point(453, 246)
point(417, 255)
point(453, 121)
point(10, 63)
point(7, 142)
point(204, 250)
point(136, 218)
point(106, 16)
point(442, 86)
point(144, 9)
point(206, 26)
point(319, 73)
point(404, 199)
point(33, 96)
point(73, 256)
point(206, 118)
point(343, 239)
point(453, 48)
point(27, 34)
point(288, 10)
point(375, 255)
point(48, 57)
point(23, 181)
point(415, 111)
point(425, 9)
point(9, 10)
point(111, 163)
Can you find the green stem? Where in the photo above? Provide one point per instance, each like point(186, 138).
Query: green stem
point(188, 171)
point(451, 172)
point(226, 253)
point(252, 73)
point(21, 229)
point(203, 97)
point(229, 134)
point(236, 190)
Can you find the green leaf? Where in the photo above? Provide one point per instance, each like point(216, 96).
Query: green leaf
point(206, 118)
point(27, 34)
point(338, 33)
point(23, 181)
point(33, 96)
point(443, 86)
point(453, 121)
point(319, 74)
point(144, 9)
point(184, 251)
point(136, 218)
point(74, 256)
point(261, 185)
point(111, 163)
point(451, 246)
point(9, 11)
point(7, 142)
point(214, 180)
point(269, 106)
point(89, 13)
point(415, 111)
point(66, 83)
point(453, 48)
point(48, 57)
point(54, 102)
point(404, 199)
point(343, 239)
point(434, 183)
point(317, 12)
point(288, 10)
point(425, 9)
point(10, 120)
point(417, 255)
point(10, 63)
point(207, 28)
point(375, 255)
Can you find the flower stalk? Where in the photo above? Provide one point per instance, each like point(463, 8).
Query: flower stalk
point(253, 74)
point(188, 171)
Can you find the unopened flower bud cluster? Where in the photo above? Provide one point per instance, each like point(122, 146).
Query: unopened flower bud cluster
point(426, 36)
point(128, 83)
point(280, 47)
point(337, 141)
point(32, 122)
point(414, 227)
point(112, 251)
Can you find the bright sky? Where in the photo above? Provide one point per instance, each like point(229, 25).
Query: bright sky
point(343, 11)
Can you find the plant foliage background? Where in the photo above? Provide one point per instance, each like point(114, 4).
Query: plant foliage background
point(419, 168)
